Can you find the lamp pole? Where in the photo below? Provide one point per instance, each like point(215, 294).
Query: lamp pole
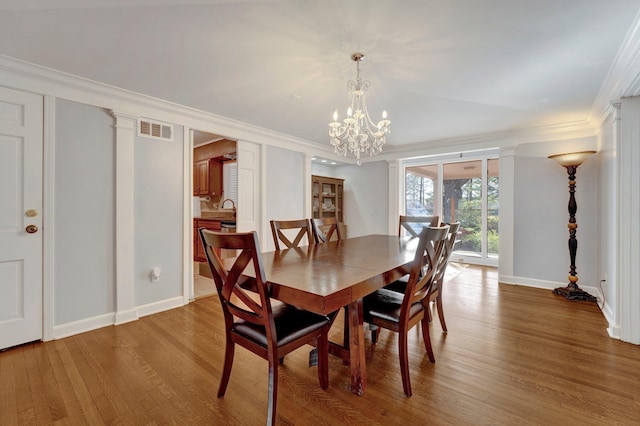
point(571, 162)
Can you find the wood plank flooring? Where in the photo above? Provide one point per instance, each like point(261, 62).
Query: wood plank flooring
point(513, 356)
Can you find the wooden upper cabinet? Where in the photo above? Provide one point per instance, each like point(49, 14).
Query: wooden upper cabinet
point(201, 180)
point(207, 166)
point(207, 177)
point(215, 177)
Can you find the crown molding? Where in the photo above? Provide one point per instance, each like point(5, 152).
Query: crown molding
point(503, 139)
point(623, 77)
point(34, 78)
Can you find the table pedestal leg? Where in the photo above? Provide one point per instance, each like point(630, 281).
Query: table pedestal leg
point(356, 348)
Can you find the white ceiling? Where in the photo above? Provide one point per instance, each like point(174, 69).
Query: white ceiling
point(442, 69)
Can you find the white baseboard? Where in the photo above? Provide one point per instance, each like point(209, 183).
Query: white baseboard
point(89, 324)
point(163, 305)
point(549, 285)
point(82, 326)
point(123, 317)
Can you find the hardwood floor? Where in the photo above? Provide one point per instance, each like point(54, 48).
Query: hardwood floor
point(513, 355)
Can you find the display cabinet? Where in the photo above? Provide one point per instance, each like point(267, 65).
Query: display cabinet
point(327, 197)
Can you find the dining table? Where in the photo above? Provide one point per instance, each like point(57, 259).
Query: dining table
point(323, 278)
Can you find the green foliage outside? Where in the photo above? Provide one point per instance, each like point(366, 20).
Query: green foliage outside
point(467, 196)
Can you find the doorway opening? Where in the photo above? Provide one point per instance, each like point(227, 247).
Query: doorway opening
point(215, 200)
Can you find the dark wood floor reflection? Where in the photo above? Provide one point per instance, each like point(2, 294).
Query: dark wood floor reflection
point(513, 356)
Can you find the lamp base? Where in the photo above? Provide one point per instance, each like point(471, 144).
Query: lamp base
point(575, 293)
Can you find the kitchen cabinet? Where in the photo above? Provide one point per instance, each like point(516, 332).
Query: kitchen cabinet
point(198, 249)
point(201, 177)
point(215, 177)
point(207, 177)
point(327, 197)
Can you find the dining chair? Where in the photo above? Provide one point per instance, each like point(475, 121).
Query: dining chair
point(400, 312)
point(268, 329)
point(302, 225)
point(435, 294)
point(411, 225)
point(324, 228)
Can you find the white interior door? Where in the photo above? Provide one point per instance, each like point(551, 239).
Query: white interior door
point(20, 217)
point(248, 164)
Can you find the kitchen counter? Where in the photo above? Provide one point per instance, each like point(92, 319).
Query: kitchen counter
point(222, 215)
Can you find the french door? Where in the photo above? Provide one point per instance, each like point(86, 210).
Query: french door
point(461, 187)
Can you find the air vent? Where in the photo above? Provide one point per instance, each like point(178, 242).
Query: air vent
point(155, 129)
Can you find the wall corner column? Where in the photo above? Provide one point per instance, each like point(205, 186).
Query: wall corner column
point(308, 208)
point(507, 213)
point(396, 190)
point(125, 125)
point(629, 226)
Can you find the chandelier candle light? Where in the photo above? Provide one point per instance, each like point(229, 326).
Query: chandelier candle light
point(571, 161)
point(358, 134)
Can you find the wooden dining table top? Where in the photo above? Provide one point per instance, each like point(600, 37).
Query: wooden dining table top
point(323, 278)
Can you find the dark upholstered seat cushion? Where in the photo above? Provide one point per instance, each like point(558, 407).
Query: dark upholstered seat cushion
point(290, 322)
point(385, 305)
point(399, 285)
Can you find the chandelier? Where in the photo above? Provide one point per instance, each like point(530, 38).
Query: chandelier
point(358, 134)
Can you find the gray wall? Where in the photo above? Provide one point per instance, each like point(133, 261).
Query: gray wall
point(84, 205)
point(366, 198)
point(158, 217)
point(541, 216)
point(608, 214)
point(285, 188)
point(366, 195)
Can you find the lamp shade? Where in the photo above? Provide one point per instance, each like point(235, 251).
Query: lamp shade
point(572, 158)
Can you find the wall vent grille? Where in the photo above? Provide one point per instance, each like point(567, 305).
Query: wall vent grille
point(155, 129)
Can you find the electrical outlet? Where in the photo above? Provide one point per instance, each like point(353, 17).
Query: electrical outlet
point(154, 275)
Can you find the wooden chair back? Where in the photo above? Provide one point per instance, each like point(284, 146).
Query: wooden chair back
point(229, 281)
point(408, 223)
point(435, 294)
point(304, 229)
point(324, 228)
point(424, 267)
point(448, 249)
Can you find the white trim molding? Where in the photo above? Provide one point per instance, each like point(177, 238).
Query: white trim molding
point(125, 286)
point(48, 219)
point(623, 77)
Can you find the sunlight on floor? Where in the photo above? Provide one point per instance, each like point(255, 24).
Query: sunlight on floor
point(202, 286)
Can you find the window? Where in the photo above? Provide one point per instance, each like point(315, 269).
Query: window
point(230, 180)
point(462, 187)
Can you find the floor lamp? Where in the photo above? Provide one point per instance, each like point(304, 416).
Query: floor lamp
point(571, 161)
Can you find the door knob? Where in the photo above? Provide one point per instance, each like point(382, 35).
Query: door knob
point(31, 229)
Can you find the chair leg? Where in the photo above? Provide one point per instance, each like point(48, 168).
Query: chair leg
point(427, 339)
point(346, 343)
point(441, 313)
point(226, 369)
point(375, 333)
point(273, 393)
point(404, 362)
point(323, 359)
